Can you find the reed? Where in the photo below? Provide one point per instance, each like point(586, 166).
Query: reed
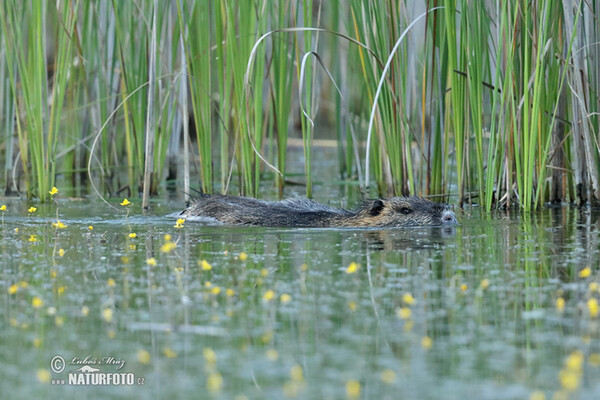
point(488, 103)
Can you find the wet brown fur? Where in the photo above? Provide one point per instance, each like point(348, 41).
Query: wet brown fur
point(395, 211)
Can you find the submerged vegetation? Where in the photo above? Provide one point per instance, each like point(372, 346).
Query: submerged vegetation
point(493, 103)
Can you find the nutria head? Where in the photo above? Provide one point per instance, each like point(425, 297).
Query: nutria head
point(405, 211)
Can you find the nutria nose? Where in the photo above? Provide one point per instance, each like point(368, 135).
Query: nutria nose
point(448, 217)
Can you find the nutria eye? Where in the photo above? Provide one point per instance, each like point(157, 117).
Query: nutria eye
point(405, 210)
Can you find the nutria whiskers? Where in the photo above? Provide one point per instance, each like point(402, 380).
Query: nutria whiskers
point(395, 211)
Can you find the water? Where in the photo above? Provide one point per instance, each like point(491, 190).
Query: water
point(453, 313)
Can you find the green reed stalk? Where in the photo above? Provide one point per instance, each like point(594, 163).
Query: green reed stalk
point(194, 21)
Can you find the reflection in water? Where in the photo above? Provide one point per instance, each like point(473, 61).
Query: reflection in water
point(501, 306)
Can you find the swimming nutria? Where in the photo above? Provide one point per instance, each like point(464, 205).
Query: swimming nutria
point(396, 211)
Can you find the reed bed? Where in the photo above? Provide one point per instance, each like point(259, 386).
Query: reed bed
point(493, 103)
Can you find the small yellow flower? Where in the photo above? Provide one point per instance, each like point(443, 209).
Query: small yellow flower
point(143, 356)
point(352, 305)
point(408, 299)
point(133, 235)
point(204, 265)
point(110, 282)
point(593, 307)
point(167, 238)
point(91, 228)
point(85, 311)
point(107, 314)
point(243, 256)
point(353, 389)
point(58, 225)
point(168, 247)
point(151, 261)
point(215, 290)
point(179, 223)
point(37, 302)
point(13, 289)
point(537, 395)
point(463, 287)
point(584, 273)
point(569, 379)
point(207, 284)
point(230, 292)
point(32, 238)
point(53, 191)
point(214, 381)
point(37, 342)
point(269, 295)
point(296, 373)
point(285, 298)
point(560, 304)
point(125, 202)
point(352, 268)
point(23, 284)
point(61, 252)
point(31, 209)
point(169, 353)
point(264, 272)
point(388, 376)
point(484, 283)
point(209, 356)
point(593, 286)
point(403, 313)
point(43, 375)
point(3, 207)
point(426, 342)
point(574, 361)
point(272, 354)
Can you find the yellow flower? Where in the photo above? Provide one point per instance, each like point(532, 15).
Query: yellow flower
point(574, 361)
point(169, 353)
point(484, 283)
point(593, 307)
point(269, 295)
point(37, 302)
point(205, 265)
point(209, 356)
point(125, 202)
point(91, 228)
point(58, 225)
point(151, 261)
point(426, 342)
point(463, 287)
point(168, 247)
point(264, 272)
point(584, 273)
point(215, 290)
point(107, 314)
point(403, 313)
point(61, 252)
point(43, 376)
point(569, 379)
point(32, 238)
point(537, 395)
point(230, 292)
point(243, 256)
point(53, 191)
point(167, 238)
point(285, 298)
point(408, 299)
point(179, 223)
point(32, 209)
point(352, 305)
point(388, 376)
point(133, 235)
point(560, 304)
point(85, 311)
point(353, 389)
point(13, 289)
point(352, 268)
point(3, 207)
point(214, 382)
point(296, 373)
point(111, 282)
point(143, 356)
point(272, 354)
point(61, 289)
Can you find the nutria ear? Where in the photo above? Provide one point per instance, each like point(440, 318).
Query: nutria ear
point(376, 207)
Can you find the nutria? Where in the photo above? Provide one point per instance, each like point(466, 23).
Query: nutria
point(395, 211)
